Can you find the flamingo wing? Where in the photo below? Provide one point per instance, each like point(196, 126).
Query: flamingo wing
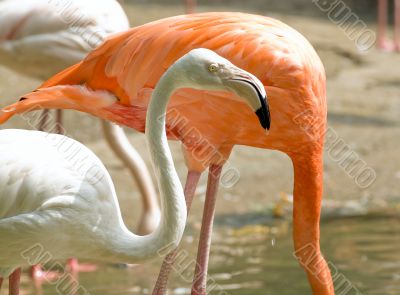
point(54, 192)
point(129, 65)
point(263, 46)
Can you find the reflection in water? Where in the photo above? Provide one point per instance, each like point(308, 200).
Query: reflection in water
point(257, 259)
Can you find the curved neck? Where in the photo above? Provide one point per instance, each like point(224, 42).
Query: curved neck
point(119, 142)
point(173, 216)
point(131, 248)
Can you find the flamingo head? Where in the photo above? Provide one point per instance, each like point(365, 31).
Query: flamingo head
point(206, 70)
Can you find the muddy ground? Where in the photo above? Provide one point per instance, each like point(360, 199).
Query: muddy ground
point(364, 113)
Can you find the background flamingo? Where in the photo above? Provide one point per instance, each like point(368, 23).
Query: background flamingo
point(39, 38)
point(50, 202)
point(383, 42)
point(190, 6)
point(129, 66)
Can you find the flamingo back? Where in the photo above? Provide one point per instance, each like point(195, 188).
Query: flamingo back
point(41, 37)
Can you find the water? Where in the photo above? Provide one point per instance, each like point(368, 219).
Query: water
point(258, 259)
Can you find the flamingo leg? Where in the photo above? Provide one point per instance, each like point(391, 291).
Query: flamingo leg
point(190, 188)
point(43, 120)
point(59, 119)
point(1, 282)
point(397, 24)
point(40, 276)
point(308, 189)
point(383, 43)
point(190, 6)
point(15, 279)
point(203, 251)
point(74, 267)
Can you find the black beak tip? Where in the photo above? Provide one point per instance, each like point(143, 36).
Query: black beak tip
point(263, 112)
point(263, 115)
point(265, 123)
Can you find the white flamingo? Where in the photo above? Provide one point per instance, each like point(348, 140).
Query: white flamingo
point(65, 204)
point(72, 210)
point(39, 38)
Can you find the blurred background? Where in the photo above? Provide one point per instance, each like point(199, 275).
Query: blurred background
point(252, 251)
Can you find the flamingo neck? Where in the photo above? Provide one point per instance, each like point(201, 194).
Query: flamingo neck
point(118, 140)
point(173, 216)
point(131, 248)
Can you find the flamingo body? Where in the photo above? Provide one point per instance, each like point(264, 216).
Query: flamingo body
point(50, 196)
point(130, 64)
point(39, 38)
point(59, 200)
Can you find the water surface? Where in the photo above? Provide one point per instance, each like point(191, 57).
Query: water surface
point(258, 259)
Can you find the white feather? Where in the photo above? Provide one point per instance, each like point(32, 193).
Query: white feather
point(54, 33)
point(56, 195)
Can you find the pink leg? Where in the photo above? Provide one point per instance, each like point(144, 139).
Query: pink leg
point(397, 25)
point(1, 282)
point(190, 6)
point(190, 188)
point(43, 120)
point(74, 267)
point(14, 279)
point(203, 251)
point(383, 43)
point(59, 119)
point(40, 276)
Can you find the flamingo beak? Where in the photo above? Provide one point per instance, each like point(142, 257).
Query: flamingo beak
point(252, 90)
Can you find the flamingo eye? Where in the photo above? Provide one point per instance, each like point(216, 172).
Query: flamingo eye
point(213, 68)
